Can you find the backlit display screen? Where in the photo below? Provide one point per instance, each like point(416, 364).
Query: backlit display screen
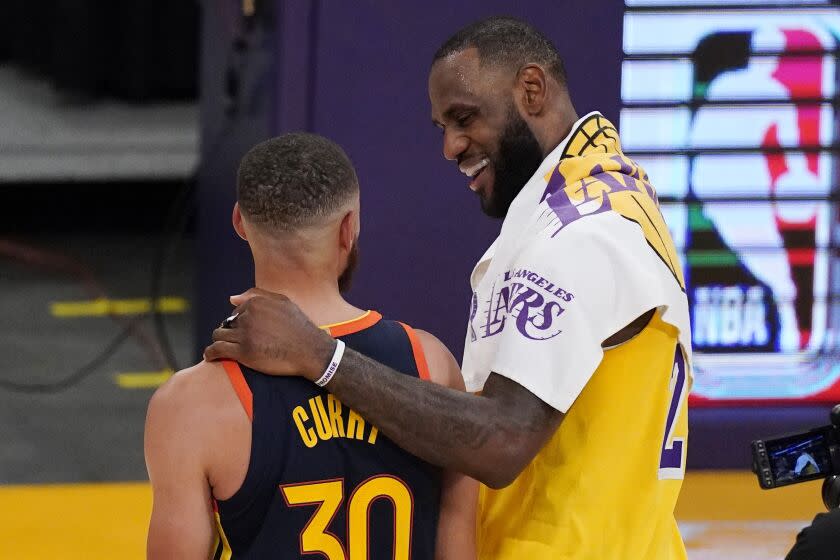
point(732, 111)
point(800, 458)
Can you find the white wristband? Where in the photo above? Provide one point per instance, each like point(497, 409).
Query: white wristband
point(330, 371)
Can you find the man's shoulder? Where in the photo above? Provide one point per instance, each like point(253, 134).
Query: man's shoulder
point(193, 413)
point(443, 369)
point(191, 381)
point(190, 392)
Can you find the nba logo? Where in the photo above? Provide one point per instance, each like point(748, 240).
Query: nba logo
point(782, 217)
point(755, 218)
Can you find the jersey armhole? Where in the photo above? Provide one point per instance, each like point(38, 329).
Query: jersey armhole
point(240, 386)
point(417, 350)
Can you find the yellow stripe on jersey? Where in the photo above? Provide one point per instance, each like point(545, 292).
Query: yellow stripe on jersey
point(221, 541)
point(332, 325)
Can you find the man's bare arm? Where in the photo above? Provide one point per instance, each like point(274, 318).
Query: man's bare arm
point(181, 526)
point(459, 493)
point(491, 437)
point(456, 533)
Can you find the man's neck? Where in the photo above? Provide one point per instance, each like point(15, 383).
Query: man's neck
point(557, 129)
point(317, 296)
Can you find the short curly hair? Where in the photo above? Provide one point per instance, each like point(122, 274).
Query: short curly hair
point(292, 181)
point(508, 41)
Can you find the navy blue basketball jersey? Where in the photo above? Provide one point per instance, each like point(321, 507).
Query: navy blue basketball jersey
point(321, 479)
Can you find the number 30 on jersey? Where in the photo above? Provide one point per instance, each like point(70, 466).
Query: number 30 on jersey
point(328, 495)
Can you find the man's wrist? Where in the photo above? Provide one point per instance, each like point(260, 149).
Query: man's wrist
point(322, 353)
point(329, 372)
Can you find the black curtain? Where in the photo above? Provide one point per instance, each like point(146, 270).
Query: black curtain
point(137, 50)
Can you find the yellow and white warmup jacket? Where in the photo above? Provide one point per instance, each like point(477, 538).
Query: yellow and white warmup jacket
point(583, 252)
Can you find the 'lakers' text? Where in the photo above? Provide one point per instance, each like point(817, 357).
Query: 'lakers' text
point(324, 417)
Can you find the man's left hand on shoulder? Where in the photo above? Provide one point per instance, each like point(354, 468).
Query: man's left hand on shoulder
point(269, 333)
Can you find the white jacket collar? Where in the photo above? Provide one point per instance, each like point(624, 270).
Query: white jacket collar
point(527, 200)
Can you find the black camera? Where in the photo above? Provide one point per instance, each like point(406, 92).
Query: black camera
point(802, 457)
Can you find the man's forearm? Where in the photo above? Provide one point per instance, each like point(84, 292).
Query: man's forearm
point(452, 429)
point(491, 437)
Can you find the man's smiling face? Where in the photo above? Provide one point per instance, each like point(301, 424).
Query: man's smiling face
point(482, 128)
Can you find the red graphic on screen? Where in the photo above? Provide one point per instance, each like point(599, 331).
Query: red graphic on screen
point(801, 76)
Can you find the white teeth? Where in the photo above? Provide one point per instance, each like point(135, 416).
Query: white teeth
point(472, 170)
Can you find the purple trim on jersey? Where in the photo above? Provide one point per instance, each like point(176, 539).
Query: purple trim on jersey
point(594, 187)
point(671, 457)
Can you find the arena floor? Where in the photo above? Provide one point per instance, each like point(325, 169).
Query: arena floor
point(55, 292)
point(723, 517)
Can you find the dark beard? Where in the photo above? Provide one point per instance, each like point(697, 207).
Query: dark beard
point(518, 158)
point(345, 279)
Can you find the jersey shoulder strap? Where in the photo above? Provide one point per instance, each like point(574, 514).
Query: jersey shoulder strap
point(240, 386)
point(417, 351)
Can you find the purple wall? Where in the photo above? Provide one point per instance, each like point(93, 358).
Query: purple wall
point(422, 229)
point(232, 120)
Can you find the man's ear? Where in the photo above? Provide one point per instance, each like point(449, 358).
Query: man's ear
point(238, 227)
point(348, 231)
point(531, 89)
